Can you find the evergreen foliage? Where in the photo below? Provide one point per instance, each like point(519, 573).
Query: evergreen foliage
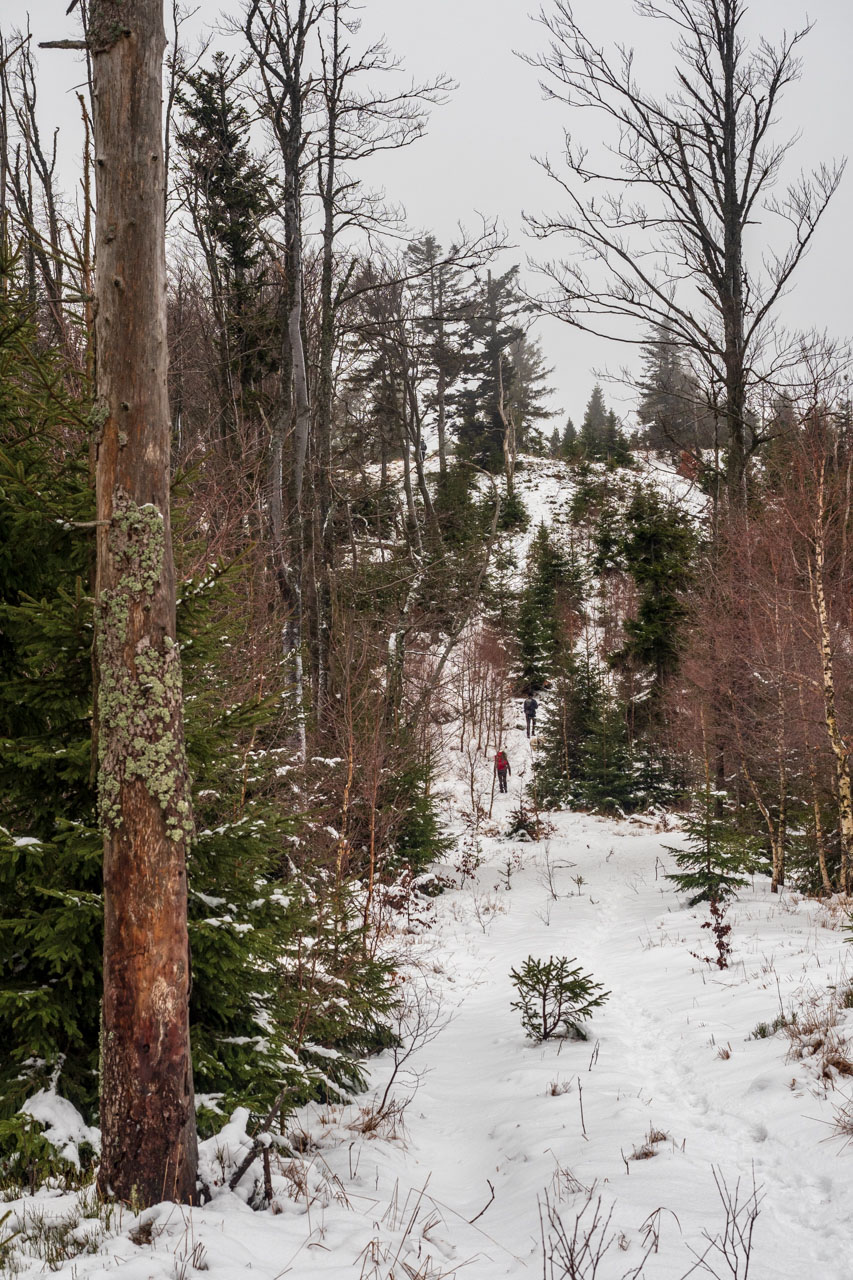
point(228, 193)
point(513, 513)
point(502, 362)
point(443, 304)
point(419, 838)
point(460, 516)
point(718, 857)
point(554, 995)
point(231, 188)
point(539, 632)
point(568, 440)
point(601, 439)
point(584, 756)
point(672, 408)
point(50, 854)
point(657, 547)
point(284, 994)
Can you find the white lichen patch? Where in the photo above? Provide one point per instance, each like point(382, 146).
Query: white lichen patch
point(139, 695)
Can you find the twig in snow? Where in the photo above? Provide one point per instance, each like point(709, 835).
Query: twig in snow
point(486, 1205)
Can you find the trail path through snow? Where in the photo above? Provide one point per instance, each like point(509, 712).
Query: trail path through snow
point(495, 1121)
point(669, 1051)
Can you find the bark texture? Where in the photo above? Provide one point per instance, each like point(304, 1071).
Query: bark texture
point(840, 748)
point(147, 1104)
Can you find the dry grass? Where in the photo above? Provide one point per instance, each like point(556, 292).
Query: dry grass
point(648, 1147)
point(814, 1038)
point(373, 1121)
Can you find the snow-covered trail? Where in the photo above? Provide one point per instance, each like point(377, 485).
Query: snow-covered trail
point(496, 1122)
point(669, 1051)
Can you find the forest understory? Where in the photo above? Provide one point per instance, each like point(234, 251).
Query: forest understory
point(426, 820)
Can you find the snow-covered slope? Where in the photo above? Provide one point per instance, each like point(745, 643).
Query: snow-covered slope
point(454, 1182)
point(487, 1144)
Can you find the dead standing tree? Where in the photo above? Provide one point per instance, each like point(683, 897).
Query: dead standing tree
point(660, 234)
point(277, 33)
point(147, 1104)
point(359, 121)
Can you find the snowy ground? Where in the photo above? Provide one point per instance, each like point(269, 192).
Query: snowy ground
point(455, 1185)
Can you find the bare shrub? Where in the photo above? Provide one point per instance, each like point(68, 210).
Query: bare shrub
point(576, 1252)
point(386, 1122)
point(729, 1253)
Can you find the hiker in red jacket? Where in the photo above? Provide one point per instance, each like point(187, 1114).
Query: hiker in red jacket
point(502, 769)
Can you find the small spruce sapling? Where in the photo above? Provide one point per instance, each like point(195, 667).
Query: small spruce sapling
point(552, 995)
point(712, 869)
point(718, 858)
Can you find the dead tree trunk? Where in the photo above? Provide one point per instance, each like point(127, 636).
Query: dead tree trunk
point(147, 1105)
point(277, 34)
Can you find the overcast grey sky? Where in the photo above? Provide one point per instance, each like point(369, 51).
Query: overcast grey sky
point(477, 155)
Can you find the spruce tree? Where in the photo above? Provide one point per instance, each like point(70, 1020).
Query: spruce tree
point(539, 633)
point(502, 361)
point(657, 545)
point(442, 304)
point(568, 441)
point(672, 408)
point(575, 708)
point(591, 440)
point(50, 850)
point(228, 193)
point(718, 858)
point(615, 447)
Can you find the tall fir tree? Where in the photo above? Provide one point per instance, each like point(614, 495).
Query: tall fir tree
point(674, 412)
point(227, 193)
point(504, 368)
point(442, 304)
point(539, 630)
point(591, 439)
point(657, 546)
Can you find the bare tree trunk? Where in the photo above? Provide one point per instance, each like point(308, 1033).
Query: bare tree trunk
point(147, 1105)
point(731, 291)
point(836, 741)
point(820, 834)
point(510, 451)
point(441, 386)
point(277, 34)
point(414, 530)
point(293, 631)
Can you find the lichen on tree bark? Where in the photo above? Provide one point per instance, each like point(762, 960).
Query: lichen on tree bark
point(139, 694)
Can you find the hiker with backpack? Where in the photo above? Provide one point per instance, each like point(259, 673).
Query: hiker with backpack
point(530, 707)
point(502, 769)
